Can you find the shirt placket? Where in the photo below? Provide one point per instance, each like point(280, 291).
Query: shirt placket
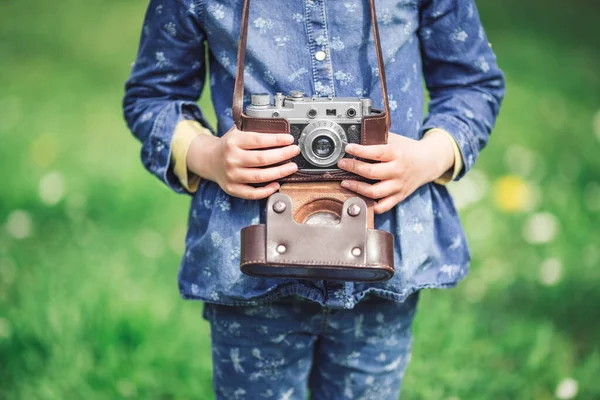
point(322, 69)
point(318, 43)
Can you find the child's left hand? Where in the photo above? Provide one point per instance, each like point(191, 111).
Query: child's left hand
point(404, 165)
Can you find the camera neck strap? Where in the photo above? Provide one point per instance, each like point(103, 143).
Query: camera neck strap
point(238, 93)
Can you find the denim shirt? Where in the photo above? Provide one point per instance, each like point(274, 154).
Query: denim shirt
point(440, 41)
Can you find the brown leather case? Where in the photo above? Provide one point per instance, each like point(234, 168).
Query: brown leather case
point(290, 245)
point(374, 127)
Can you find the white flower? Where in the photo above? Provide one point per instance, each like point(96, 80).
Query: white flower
point(482, 64)
point(550, 271)
point(269, 78)
point(223, 203)
point(217, 11)
point(459, 35)
point(216, 239)
point(450, 270)
point(171, 29)
point(321, 40)
point(52, 188)
point(350, 7)
point(224, 59)
point(161, 60)
point(567, 389)
point(298, 17)
point(321, 89)
point(19, 224)
point(195, 289)
point(470, 189)
point(541, 228)
point(384, 16)
point(405, 86)
point(280, 41)
point(343, 78)
point(337, 44)
point(263, 25)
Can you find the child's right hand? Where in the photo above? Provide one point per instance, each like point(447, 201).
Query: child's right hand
point(237, 159)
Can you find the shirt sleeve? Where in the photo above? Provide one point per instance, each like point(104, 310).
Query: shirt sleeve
point(453, 172)
point(185, 132)
point(165, 82)
point(465, 84)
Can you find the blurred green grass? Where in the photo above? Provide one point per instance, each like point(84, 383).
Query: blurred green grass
point(89, 306)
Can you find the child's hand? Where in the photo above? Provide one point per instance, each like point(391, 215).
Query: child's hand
point(233, 161)
point(405, 165)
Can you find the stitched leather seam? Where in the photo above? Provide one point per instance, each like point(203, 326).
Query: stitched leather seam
point(330, 263)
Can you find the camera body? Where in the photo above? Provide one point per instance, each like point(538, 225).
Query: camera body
point(321, 126)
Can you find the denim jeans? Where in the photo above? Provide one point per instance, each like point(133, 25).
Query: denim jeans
point(293, 346)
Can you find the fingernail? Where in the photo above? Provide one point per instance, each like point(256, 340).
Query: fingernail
point(345, 184)
point(293, 167)
point(350, 147)
point(342, 163)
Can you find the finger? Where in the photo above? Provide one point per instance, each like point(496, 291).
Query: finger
point(380, 152)
point(259, 175)
point(251, 193)
point(255, 140)
point(367, 170)
point(260, 158)
point(388, 203)
point(376, 191)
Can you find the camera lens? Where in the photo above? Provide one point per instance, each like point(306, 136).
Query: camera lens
point(351, 112)
point(323, 146)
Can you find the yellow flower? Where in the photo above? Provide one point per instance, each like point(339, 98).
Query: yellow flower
point(512, 194)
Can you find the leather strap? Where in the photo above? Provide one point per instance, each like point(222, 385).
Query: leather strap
point(238, 92)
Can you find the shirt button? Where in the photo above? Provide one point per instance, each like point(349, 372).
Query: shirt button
point(320, 55)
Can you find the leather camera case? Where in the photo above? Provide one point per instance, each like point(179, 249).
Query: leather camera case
point(289, 245)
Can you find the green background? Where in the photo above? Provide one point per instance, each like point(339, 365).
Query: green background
point(90, 242)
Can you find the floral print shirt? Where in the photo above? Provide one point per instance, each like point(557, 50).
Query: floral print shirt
point(321, 47)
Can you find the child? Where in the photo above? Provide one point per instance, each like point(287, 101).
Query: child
point(276, 338)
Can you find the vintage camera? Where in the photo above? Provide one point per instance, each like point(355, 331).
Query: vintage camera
point(321, 126)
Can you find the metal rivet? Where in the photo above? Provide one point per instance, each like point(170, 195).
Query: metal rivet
point(282, 249)
point(354, 210)
point(356, 252)
point(279, 207)
point(320, 55)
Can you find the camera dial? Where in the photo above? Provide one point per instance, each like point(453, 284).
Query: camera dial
point(322, 143)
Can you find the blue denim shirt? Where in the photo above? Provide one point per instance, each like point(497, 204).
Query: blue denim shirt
point(440, 41)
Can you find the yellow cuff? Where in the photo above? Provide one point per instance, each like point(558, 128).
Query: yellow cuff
point(185, 132)
point(458, 161)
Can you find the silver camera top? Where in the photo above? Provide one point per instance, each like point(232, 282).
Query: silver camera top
point(299, 109)
point(317, 122)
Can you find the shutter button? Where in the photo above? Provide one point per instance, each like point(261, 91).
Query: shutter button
point(320, 55)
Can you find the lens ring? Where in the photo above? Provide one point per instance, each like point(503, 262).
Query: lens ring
point(326, 130)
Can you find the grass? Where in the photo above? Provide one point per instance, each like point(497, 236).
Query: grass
point(89, 306)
